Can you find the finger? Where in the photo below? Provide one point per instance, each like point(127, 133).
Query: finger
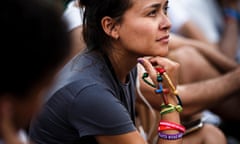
point(149, 68)
point(170, 66)
point(161, 62)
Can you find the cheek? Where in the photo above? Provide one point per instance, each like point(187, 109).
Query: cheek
point(138, 35)
point(140, 31)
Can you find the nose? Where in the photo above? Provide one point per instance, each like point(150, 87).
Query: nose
point(165, 23)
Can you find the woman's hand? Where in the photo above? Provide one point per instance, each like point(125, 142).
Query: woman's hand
point(170, 66)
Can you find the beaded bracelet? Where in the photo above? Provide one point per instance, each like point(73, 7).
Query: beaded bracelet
point(164, 92)
point(170, 136)
point(160, 90)
point(174, 91)
point(172, 125)
point(159, 87)
point(145, 75)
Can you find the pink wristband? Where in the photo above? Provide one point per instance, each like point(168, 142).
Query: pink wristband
point(178, 127)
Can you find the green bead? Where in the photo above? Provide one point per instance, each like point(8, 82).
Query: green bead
point(159, 78)
point(145, 75)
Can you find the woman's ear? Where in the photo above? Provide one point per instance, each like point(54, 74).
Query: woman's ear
point(110, 27)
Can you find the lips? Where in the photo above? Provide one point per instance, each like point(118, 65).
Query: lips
point(165, 38)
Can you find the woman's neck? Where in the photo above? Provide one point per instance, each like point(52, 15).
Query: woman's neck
point(122, 64)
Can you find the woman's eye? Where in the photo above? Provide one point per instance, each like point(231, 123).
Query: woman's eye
point(152, 13)
point(166, 10)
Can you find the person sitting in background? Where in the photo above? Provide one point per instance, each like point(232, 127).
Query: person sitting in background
point(211, 21)
point(215, 24)
point(35, 45)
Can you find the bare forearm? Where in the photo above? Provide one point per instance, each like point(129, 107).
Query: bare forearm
point(172, 117)
point(229, 42)
point(209, 51)
point(207, 94)
point(189, 30)
point(169, 111)
point(213, 55)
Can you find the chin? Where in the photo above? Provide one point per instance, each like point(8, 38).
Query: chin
point(162, 53)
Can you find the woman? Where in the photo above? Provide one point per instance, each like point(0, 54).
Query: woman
point(94, 98)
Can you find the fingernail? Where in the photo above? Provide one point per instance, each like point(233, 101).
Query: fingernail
point(140, 60)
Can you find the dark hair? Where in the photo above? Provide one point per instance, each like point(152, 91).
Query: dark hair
point(95, 10)
point(35, 42)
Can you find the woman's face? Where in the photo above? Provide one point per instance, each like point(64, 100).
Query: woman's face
point(144, 30)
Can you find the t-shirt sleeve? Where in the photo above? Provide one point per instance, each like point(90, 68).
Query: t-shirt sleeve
point(96, 111)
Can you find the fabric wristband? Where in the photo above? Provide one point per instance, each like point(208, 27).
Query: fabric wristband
point(176, 126)
point(170, 108)
point(164, 128)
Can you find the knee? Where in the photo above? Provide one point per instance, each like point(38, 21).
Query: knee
point(188, 57)
point(208, 134)
point(213, 134)
point(184, 53)
point(191, 63)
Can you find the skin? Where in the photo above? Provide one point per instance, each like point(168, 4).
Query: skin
point(228, 44)
point(144, 31)
point(211, 135)
point(217, 94)
point(218, 70)
point(211, 55)
point(77, 41)
point(189, 30)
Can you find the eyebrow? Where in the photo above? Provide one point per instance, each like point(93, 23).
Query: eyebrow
point(157, 5)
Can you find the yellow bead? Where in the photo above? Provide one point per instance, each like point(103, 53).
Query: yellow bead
point(175, 92)
point(178, 108)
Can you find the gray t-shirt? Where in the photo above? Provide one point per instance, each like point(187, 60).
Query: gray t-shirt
point(87, 100)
